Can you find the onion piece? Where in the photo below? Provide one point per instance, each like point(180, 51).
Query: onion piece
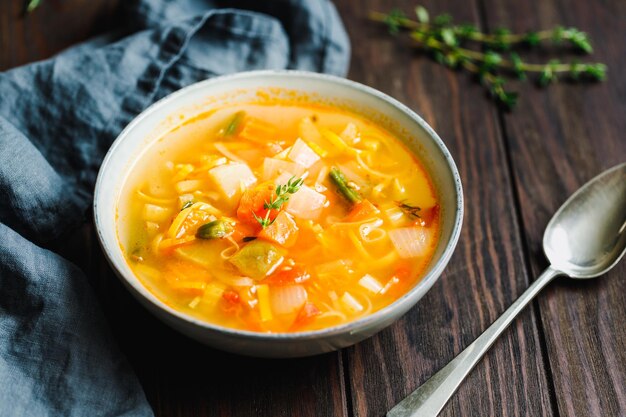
point(411, 242)
point(350, 134)
point(370, 283)
point(287, 299)
point(306, 203)
point(302, 154)
point(231, 178)
point(273, 167)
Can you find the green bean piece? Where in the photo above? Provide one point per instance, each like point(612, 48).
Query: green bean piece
point(216, 229)
point(233, 126)
point(344, 189)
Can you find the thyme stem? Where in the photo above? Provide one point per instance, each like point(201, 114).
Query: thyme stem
point(445, 41)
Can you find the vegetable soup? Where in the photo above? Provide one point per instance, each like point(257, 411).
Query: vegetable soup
point(280, 217)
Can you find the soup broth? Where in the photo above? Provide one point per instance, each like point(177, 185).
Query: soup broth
point(278, 217)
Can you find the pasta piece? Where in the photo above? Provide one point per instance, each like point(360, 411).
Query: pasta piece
point(335, 140)
point(257, 130)
point(155, 200)
point(183, 171)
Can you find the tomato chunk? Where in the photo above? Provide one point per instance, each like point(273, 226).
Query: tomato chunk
point(231, 296)
point(306, 314)
point(287, 276)
point(428, 216)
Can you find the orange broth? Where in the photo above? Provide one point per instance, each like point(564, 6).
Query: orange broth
point(352, 223)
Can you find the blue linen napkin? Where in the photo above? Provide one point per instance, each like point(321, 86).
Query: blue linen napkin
point(57, 119)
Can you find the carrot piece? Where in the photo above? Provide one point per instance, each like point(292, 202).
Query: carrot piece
point(287, 276)
point(253, 202)
point(182, 276)
point(362, 210)
point(283, 230)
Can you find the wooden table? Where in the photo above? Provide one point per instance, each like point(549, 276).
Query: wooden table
point(564, 356)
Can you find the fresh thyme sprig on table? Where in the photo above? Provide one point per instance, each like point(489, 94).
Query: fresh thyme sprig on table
point(31, 5)
point(283, 193)
point(445, 40)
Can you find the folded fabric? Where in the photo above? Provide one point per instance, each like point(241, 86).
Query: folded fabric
point(57, 119)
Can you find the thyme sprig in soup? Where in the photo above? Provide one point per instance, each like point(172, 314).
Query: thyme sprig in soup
point(279, 218)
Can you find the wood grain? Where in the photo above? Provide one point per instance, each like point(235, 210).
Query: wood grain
point(570, 362)
point(559, 138)
point(52, 27)
point(487, 271)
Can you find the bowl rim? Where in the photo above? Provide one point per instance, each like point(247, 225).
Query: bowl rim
point(416, 292)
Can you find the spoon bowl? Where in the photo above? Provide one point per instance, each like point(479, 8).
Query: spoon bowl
point(587, 235)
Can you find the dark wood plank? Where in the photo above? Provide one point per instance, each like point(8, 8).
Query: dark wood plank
point(487, 271)
point(180, 376)
point(52, 27)
point(560, 138)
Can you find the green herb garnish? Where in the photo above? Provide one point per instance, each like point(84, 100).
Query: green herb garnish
point(31, 5)
point(409, 209)
point(283, 193)
point(343, 187)
point(186, 205)
point(495, 61)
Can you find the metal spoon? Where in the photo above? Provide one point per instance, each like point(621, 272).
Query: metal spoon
point(585, 238)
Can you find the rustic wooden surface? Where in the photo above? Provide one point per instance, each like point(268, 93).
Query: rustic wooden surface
point(564, 356)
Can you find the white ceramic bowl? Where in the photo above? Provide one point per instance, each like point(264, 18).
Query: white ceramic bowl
point(161, 117)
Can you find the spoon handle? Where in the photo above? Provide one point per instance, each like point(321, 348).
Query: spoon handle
point(429, 399)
